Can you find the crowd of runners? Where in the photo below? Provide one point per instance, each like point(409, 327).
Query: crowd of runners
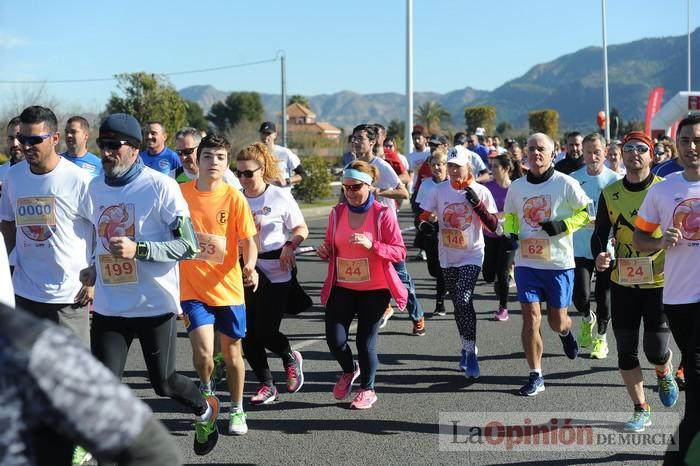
point(149, 237)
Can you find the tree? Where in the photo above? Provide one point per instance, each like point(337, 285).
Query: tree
point(317, 183)
point(299, 99)
point(149, 97)
point(504, 128)
point(544, 121)
point(238, 107)
point(430, 115)
point(195, 116)
point(481, 116)
point(396, 130)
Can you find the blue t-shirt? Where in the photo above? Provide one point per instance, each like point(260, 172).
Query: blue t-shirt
point(592, 186)
point(483, 152)
point(666, 168)
point(165, 161)
point(89, 162)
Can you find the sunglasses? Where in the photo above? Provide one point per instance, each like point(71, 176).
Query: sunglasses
point(33, 140)
point(353, 187)
point(389, 146)
point(640, 148)
point(110, 144)
point(246, 173)
point(186, 152)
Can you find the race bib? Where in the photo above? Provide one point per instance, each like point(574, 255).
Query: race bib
point(535, 249)
point(635, 270)
point(352, 270)
point(453, 238)
point(39, 210)
point(117, 271)
point(211, 247)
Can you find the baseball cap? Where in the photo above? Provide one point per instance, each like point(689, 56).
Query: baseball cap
point(458, 155)
point(437, 139)
point(268, 127)
point(121, 126)
point(480, 132)
point(460, 139)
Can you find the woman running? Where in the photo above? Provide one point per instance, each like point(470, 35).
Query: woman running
point(281, 228)
point(463, 206)
point(362, 241)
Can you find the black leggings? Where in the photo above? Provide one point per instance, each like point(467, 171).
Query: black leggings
point(684, 320)
point(264, 311)
point(111, 338)
point(343, 304)
point(498, 261)
point(430, 245)
point(582, 291)
point(629, 307)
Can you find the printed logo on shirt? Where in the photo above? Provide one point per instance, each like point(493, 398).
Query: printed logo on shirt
point(457, 216)
point(222, 217)
point(537, 209)
point(164, 164)
point(116, 220)
point(36, 216)
point(686, 217)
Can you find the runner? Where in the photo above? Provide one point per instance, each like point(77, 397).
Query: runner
point(280, 230)
point(463, 206)
point(673, 206)
point(543, 209)
point(429, 230)
point(637, 280)
point(363, 239)
point(498, 255)
point(211, 285)
point(593, 177)
point(143, 228)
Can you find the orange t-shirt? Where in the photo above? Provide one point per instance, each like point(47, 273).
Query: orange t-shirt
point(220, 218)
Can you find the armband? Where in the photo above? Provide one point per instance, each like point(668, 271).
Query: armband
point(182, 229)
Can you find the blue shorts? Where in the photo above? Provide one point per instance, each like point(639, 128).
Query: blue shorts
point(555, 287)
point(229, 320)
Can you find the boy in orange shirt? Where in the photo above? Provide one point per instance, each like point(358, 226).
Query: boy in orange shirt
point(211, 284)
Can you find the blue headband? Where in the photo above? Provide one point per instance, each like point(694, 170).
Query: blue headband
point(357, 175)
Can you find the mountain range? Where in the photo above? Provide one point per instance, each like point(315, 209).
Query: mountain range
point(572, 84)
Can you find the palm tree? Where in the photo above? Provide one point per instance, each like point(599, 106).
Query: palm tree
point(430, 115)
point(299, 99)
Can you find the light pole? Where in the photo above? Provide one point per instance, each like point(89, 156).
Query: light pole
point(408, 142)
point(605, 74)
point(284, 97)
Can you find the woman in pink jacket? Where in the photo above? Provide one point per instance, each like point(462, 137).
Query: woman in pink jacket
point(362, 241)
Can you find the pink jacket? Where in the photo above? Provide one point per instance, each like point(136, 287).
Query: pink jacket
point(388, 245)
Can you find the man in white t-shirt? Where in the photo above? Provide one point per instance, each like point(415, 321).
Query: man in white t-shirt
point(287, 161)
point(542, 210)
point(45, 213)
point(674, 206)
point(143, 228)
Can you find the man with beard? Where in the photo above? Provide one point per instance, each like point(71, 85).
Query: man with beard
point(143, 228)
point(574, 154)
point(157, 156)
point(14, 150)
point(77, 135)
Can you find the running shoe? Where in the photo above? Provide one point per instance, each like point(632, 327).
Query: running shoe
point(364, 399)
point(236, 423)
point(421, 256)
point(463, 361)
point(80, 456)
point(219, 372)
point(387, 315)
point(668, 389)
point(206, 433)
point(570, 345)
point(419, 327)
point(534, 385)
point(439, 310)
point(472, 369)
point(585, 334)
point(206, 391)
point(343, 386)
point(639, 421)
point(600, 348)
point(295, 374)
point(264, 395)
point(501, 314)
point(680, 378)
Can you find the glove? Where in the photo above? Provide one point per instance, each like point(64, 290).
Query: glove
point(426, 228)
point(511, 241)
point(471, 196)
point(554, 228)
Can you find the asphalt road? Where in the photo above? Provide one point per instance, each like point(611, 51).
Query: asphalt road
point(417, 380)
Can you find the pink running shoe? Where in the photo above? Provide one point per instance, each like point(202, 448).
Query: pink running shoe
point(295, 374)
point(264, 395)
point(343, 386)
point(501, 314)
point(364, 399)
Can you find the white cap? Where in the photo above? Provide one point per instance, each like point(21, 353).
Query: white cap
point(480, 132)
point(458, 155)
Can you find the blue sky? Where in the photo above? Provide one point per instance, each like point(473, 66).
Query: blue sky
point(330, 45)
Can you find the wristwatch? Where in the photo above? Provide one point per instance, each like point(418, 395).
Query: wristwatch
point(141, 250)
point(291, 245)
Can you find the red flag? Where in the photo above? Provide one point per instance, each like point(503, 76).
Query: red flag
point(653, 106)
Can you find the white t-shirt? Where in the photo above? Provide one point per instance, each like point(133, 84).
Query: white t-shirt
point(461, 239)
point(416, 159)
point(404, 161)
point(4, 168)
point(676, 202)
point(621, 168)
point(287, 161)
point(388, 179)
point(555, 199)
point(143, 210)
point(425, 187)
point(229, 177)
point(54, 233)
point(7, 292)
point(275, 214)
